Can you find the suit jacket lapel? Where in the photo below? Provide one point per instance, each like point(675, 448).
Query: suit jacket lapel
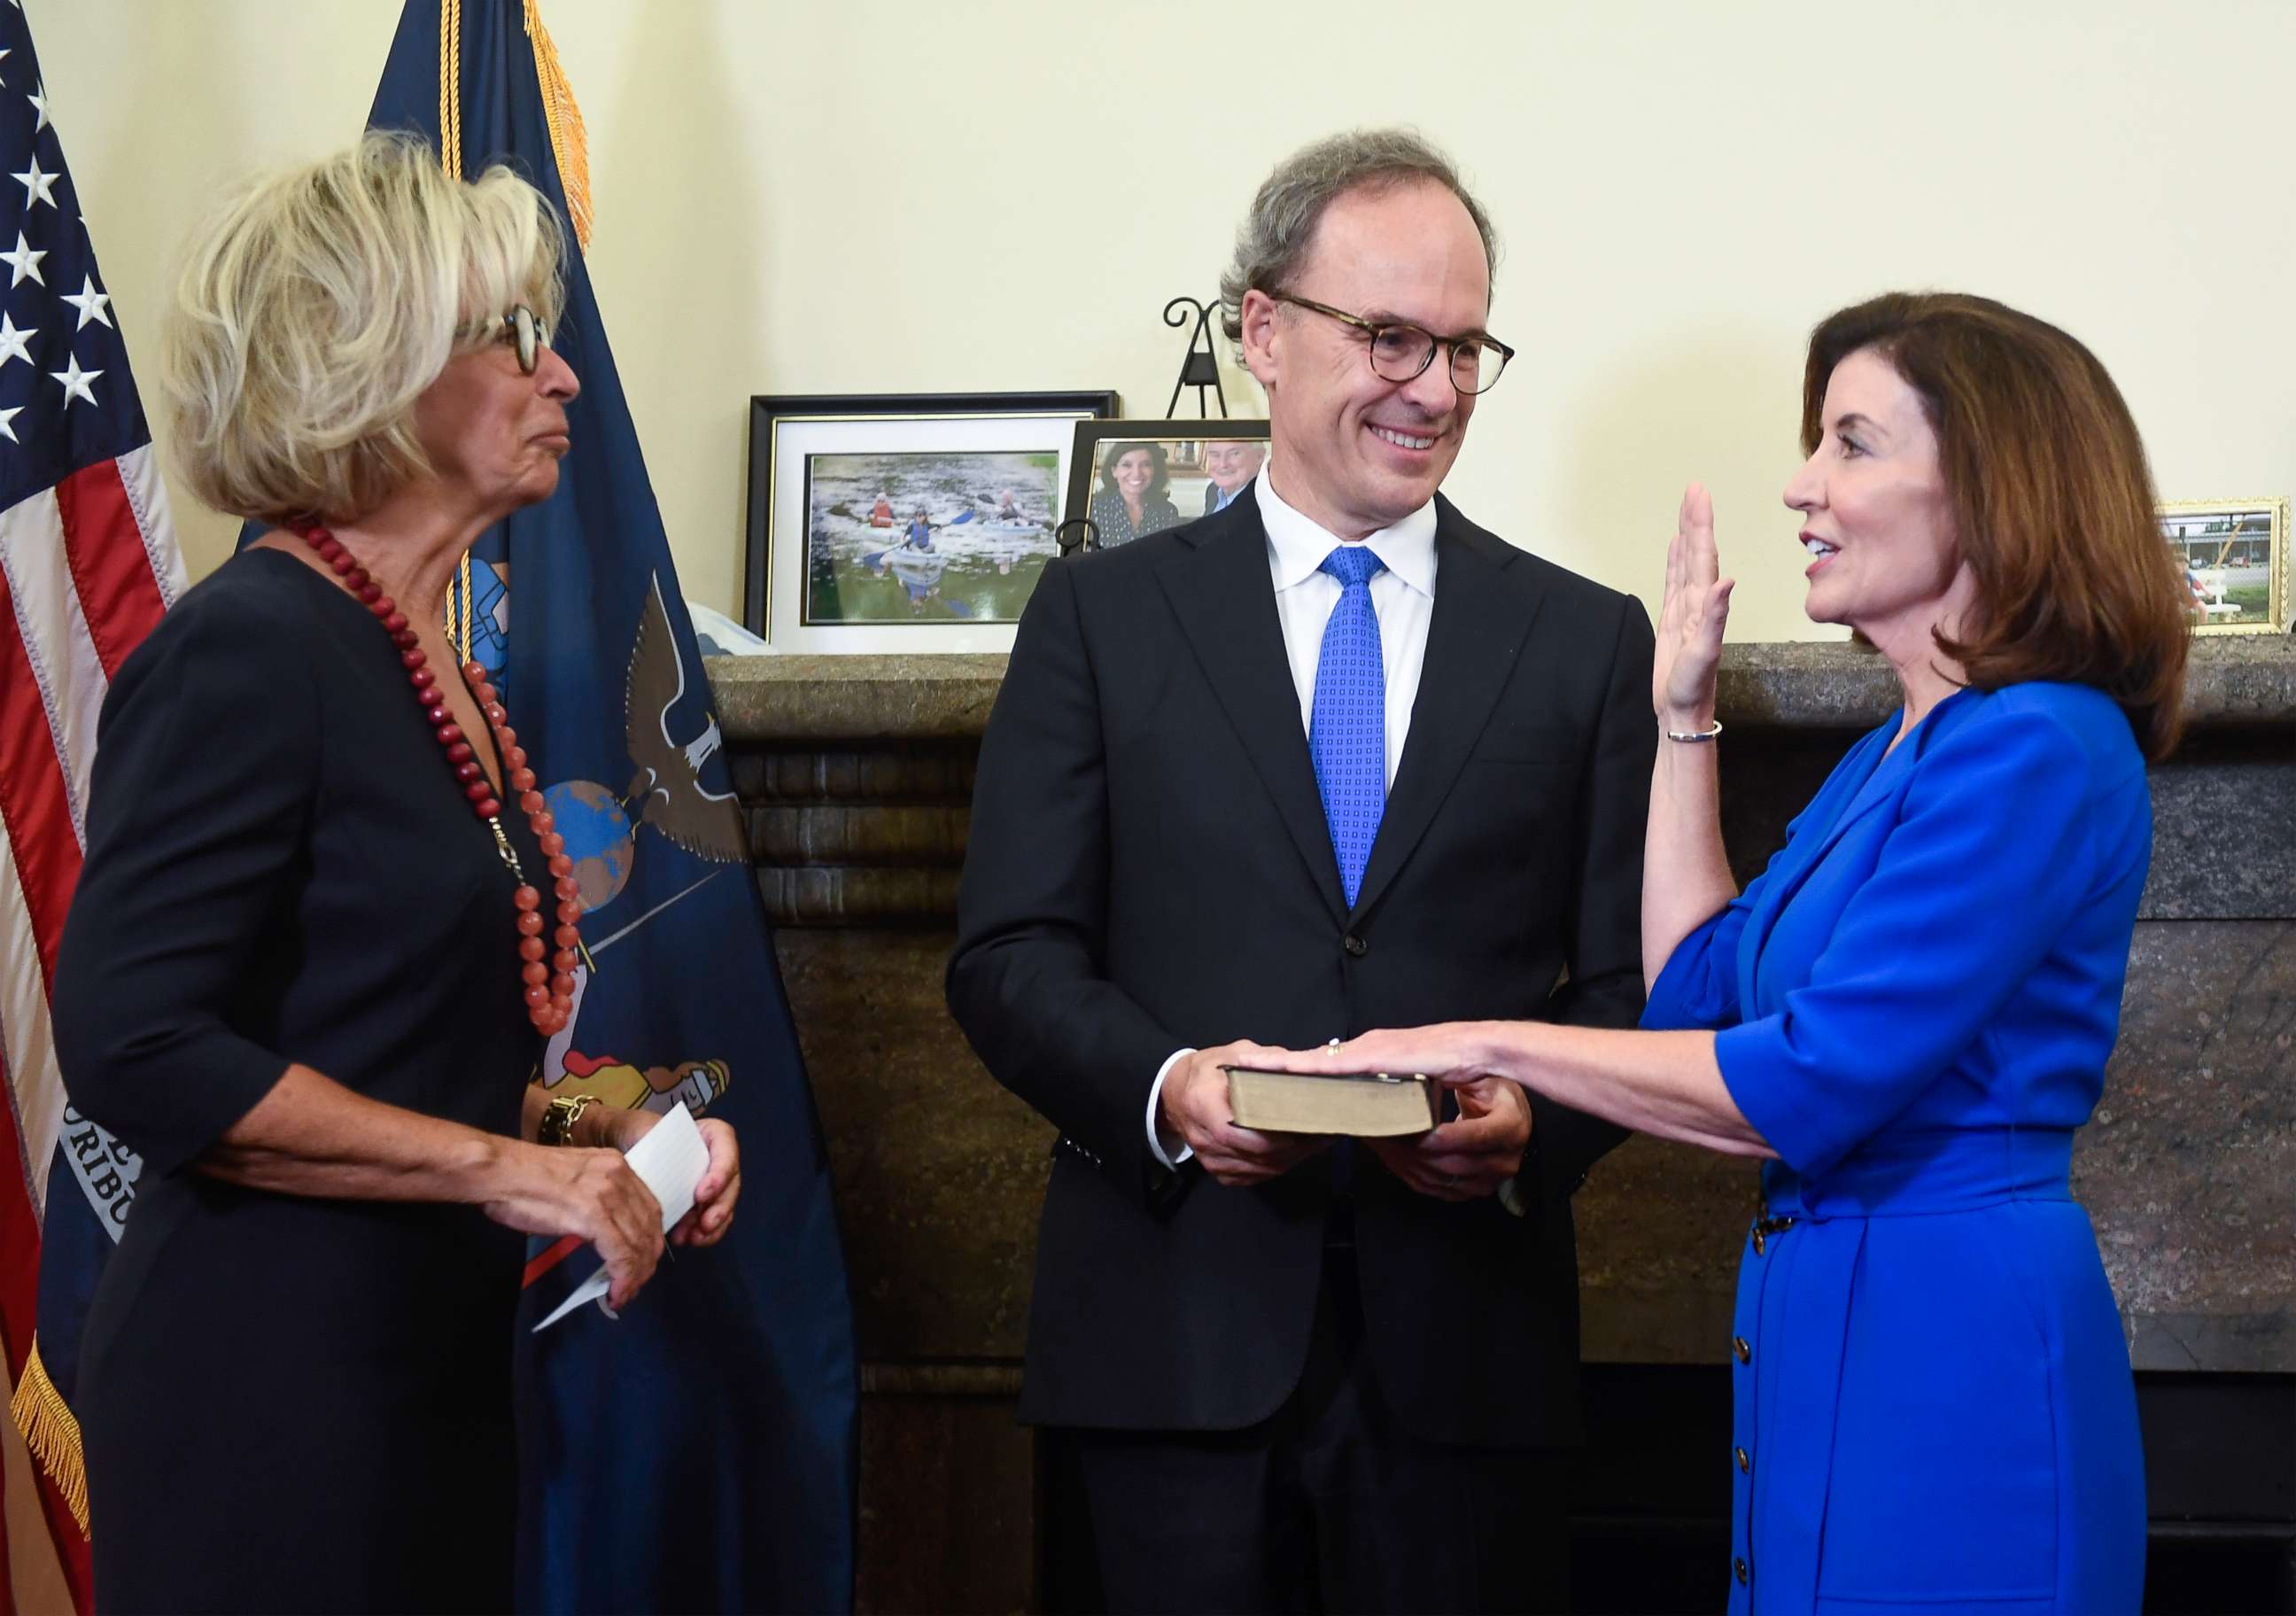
point(1219, 584)
point(1482, 619)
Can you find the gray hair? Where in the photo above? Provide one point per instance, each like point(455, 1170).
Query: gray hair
point(1281, 224)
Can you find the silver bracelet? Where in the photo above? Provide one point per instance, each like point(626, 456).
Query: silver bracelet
point(1695, 734)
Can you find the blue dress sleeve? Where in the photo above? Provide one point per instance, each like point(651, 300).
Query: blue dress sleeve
point(1992, 853)
point(1698, 986)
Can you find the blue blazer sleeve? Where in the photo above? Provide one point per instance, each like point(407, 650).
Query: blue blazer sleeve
point(1993, 851)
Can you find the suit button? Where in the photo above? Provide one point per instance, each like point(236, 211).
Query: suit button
point(1744, 1463)
point(1745, 1352)
point(1738, 1569)
point(1355, 946)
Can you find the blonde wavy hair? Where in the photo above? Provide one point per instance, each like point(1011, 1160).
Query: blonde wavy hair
point(317, 304)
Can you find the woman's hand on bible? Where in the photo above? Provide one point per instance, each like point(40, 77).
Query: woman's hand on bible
point(1451, 1053)
point(1690, 623)
point(593, 1193)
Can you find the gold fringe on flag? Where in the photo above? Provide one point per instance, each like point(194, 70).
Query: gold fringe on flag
point(569, 142)
point(52, 1434)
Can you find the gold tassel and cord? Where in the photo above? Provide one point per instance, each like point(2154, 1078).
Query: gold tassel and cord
point(569, 148)
point(450, 159)
point(52, 1434)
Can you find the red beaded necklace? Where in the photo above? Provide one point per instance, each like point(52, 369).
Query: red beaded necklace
point(549, 988)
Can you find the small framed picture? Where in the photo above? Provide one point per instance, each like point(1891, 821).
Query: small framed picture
point(1129, 479)
point(2234, 554)
point(905, 521)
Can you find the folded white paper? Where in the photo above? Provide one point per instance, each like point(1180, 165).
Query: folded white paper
point(670, 1161)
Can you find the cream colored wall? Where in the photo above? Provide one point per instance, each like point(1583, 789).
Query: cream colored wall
point(921, 195)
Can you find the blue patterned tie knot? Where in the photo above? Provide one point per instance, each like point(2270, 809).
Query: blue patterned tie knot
point(1353, 565)
point(1346, 727)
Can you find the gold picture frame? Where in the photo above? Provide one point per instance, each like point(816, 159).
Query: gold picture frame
point(2235, 558)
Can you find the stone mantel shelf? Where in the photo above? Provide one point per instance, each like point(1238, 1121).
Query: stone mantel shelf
point(2236, 683)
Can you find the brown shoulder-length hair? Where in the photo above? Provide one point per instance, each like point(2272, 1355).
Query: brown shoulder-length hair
point(2052, 499)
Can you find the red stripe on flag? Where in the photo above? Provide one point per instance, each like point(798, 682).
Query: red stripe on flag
point(34, 804)
point(110, 566)
point(35, 817)
point(564, 1248)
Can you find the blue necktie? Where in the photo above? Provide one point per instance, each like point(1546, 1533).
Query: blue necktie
point(1346, 727)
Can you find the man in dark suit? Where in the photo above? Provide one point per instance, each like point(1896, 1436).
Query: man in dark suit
point(1333, 758)
point(1229, 466)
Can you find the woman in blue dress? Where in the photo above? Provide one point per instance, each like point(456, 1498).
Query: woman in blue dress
point(1909, 1013)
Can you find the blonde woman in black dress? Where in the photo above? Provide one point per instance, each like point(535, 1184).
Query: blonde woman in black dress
point(324, 925)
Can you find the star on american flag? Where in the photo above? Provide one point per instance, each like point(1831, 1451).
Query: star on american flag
point(89, 302)
point(39, 188)
point(78, 383)
point(24, 261)
point(71, 404)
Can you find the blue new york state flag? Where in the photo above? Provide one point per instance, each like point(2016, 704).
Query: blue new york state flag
point(699, 1453)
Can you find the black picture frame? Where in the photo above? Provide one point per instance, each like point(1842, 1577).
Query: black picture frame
point(1093, 440)
point(770, 412)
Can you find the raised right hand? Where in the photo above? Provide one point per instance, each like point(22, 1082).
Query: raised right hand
point(1195, 1106)
point(593, 1193)
point(1690, 623)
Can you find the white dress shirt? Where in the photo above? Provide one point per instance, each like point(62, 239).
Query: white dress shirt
point(1402, 597)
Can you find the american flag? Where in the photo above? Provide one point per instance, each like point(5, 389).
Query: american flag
point(87, 564)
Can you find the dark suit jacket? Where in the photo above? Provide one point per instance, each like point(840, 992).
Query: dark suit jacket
point(1148, 869)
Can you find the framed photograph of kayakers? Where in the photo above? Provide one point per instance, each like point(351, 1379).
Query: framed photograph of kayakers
point(2234, 554)
point(1129, 479)
point(905, 521)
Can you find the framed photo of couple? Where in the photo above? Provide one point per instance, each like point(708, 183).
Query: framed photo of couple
point(2235, 554)
point(1129, 479)
point(905, 521)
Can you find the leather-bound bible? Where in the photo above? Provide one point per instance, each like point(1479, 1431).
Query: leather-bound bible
point(1358, 1104)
